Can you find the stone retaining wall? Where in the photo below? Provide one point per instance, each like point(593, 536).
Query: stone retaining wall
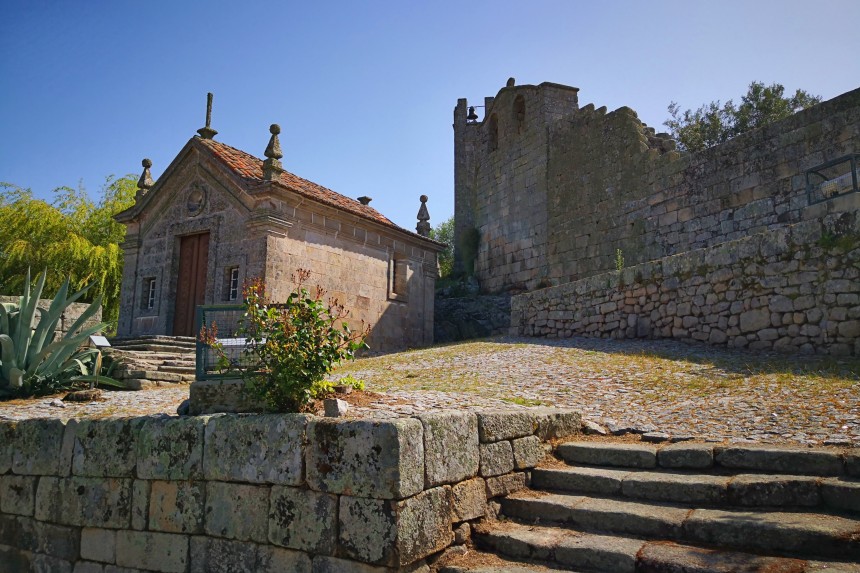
point(793, 289)
point(71, 314)
point(260, 493)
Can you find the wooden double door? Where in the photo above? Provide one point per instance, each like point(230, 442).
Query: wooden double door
point(191, 282)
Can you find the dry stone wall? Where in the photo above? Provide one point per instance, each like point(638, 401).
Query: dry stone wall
point(795, 289)
point(260, 493)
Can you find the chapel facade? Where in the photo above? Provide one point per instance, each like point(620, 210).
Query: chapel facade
point(219, 216)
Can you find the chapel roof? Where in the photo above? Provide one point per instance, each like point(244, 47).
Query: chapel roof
point(250, 168)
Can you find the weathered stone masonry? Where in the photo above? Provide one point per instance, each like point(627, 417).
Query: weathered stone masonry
point(547, 191)
point(796, 288)
point(259, 493)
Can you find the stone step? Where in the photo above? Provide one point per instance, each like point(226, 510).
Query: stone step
point(779, 533)
point(190, 369)
point(745, 490)
point(757, 458)
point(569, 548)
point(160, 348)
point(492, 563)
point(153, 338)
point(154, 375)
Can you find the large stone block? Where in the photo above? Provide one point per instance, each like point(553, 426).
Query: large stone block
point(372, 458)
point(90, 502)
point(140, 504)
point(494, 426)
point(98, 544)
point(212, 555)
point(18, 494)
point(171, 449)
point(163, 552)
point(106, 448)
point(528, 452)
point(554, 423)
point(54, 540)
point(7, 445)
point(506, 484)
point(176, 506)
point(13, 559)
point(468, 500)
point(496, 458)
point(395, 533)
point(303, 519)
point(276, 560)
point(256, 448)
point(237, 511)
point(450, 447)
point(40, 448)
point(214, 396)
point(42, 563)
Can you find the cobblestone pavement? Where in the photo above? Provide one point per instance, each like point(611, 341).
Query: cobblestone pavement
point(668, 386)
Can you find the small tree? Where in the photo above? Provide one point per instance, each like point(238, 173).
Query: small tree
point(290, 347)
point(444, 233)
point(715, 123)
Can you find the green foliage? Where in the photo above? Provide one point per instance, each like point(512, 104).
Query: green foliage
point(444, 233)
point(619, 260)
point(32, 360)
point(73, 236)
point(290, 347)
point(714, 123)
point(325, 388)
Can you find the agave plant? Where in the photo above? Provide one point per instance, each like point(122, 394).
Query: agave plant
point(32, 359)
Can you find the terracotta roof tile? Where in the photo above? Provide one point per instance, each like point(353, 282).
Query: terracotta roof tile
point(250, 168)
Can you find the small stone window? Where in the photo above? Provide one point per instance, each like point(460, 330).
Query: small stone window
point(834, 178)
point(148, 298)
point(519, 113)
point(231, 284)
point(398, 279)
point(493, 133)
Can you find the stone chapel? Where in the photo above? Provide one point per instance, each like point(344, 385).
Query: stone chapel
point(218, 216)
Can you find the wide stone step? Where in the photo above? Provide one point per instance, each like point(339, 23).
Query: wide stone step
point(778, 533)
point(745, 490)
point(160, 348)
point(569, 548)
point(154, 375)
point(484, 562)
point(758, 458)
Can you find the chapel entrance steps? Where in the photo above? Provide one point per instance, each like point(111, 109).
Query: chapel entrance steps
point(155, 360)
point(617, 508)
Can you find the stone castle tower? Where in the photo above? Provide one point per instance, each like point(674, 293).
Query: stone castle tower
point(500, 181)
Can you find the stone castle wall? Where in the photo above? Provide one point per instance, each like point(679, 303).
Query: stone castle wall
point(555, 200)
point(793, 289)
point(264, 493)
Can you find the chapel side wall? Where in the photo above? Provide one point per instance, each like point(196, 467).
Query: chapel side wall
point(264, 493)
point(354, 264)
point(795, 288)
point(613, 185)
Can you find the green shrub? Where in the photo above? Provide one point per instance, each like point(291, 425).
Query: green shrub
point(290, 347)
point(32, 360)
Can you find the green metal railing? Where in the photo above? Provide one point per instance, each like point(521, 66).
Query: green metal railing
point(227, 318)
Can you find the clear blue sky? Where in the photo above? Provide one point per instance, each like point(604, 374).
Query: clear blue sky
point(364, 91)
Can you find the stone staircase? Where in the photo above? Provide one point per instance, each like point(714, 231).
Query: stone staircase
point(685, 507)
point(148, 361)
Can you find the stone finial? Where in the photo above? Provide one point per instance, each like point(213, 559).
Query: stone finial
point(207, 132)
point(423, 226)
point(272, 166)
point(145, 182)
point(511, 83)
point(365, 200)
